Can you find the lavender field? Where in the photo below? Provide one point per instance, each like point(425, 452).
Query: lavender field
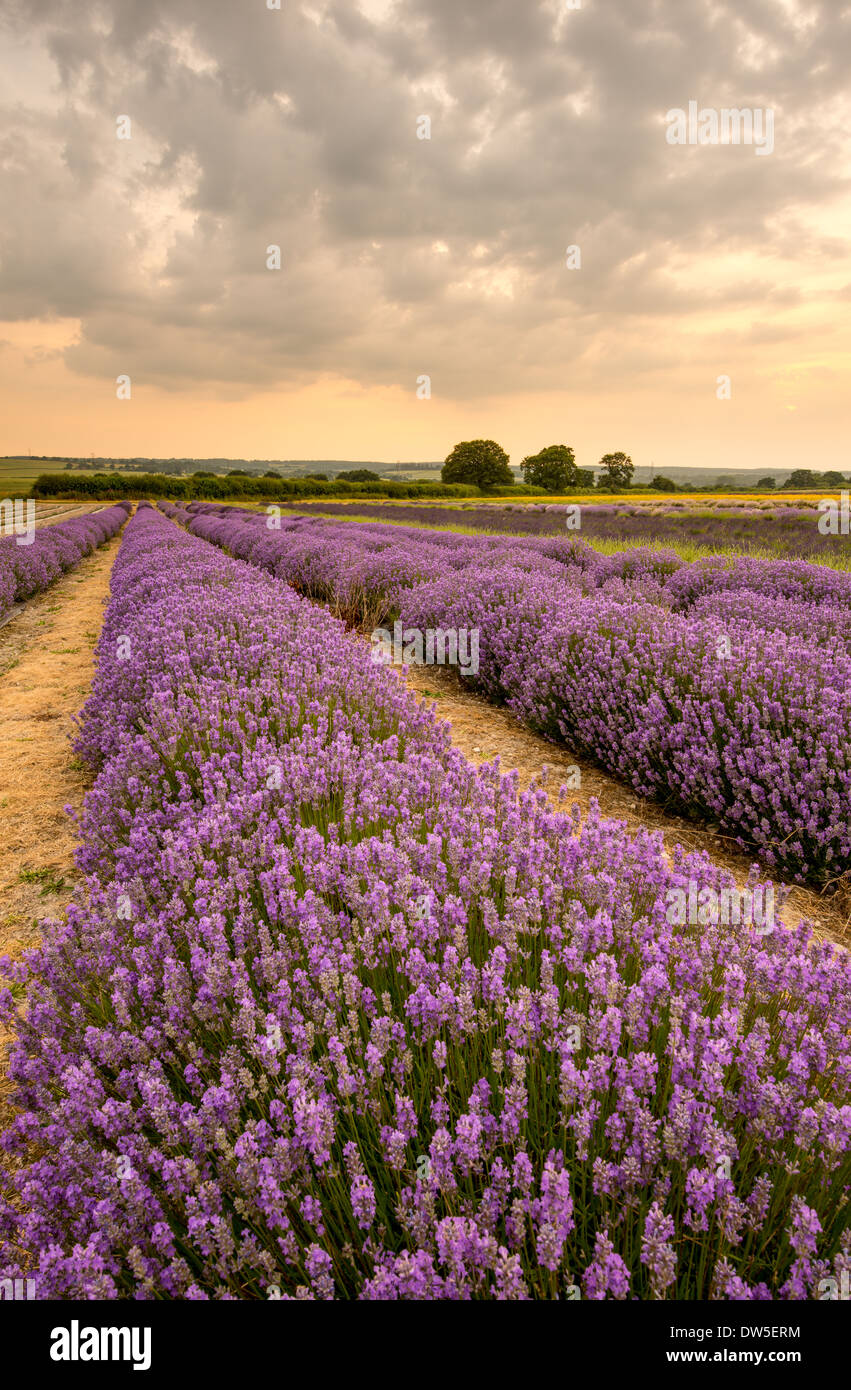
point(722, 686)
point(782, 528)
point(334, 1015)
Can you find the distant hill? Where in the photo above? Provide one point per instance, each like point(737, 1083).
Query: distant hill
point(287, 467)
point(707, 477)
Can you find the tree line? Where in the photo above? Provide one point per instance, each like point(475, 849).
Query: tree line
point(217, 487)
point(485, 464)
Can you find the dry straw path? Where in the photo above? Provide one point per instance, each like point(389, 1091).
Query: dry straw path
point(46, 669)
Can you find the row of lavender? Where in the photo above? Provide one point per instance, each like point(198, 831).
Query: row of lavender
point(339, 1017)
point(28, 569)
point(786, 530)
point(720, 687)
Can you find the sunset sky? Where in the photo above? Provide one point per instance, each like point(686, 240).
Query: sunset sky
point(405, 257)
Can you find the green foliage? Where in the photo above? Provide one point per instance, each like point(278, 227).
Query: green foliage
point(808, 478)
point(480, 463)
point(49, 879)
point(553, 469)
point(662, 484)
point(618, 469)
point(355, 475)
point(215, 487)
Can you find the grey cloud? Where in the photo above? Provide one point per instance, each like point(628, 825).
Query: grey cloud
point(255, 127)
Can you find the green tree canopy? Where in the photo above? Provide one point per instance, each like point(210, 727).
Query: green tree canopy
point(554, 468)
point(802, 477)
point(618, 470)
point(481, 462)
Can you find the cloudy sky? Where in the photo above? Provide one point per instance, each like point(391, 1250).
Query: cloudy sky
point(404, 257)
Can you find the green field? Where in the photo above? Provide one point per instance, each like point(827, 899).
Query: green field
point(18, 475)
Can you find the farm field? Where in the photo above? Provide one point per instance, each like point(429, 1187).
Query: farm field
point(484, 732)
point(783, 526)
point(48, 513)
point(719, 684)
point(17, 475)
point(342, 1001)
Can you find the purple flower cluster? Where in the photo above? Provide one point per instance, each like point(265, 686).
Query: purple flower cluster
point(336, 1016)
point(721, 688)
point(28, 569)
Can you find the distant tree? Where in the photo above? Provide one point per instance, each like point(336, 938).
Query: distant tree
point(237, 473)
point(481, 462)
point(317, 477)
point(202, 473)
point(270, 473)
point(833, 479)
point(618, 470)
point(802, 477)
point(554, 468)
point(663, 484)
point(766, 482)
point(354, 475)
